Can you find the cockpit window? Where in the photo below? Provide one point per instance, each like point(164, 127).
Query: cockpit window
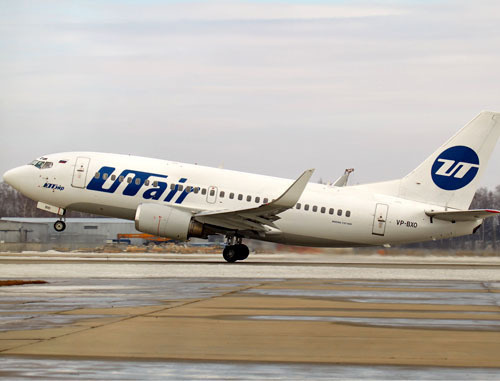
point(42, 164)
point(37, 163)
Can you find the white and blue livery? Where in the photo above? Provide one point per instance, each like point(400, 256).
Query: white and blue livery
point(180, 201)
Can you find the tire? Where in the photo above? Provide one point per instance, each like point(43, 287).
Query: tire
point(230, 254)
point(59, 226)
point(242, 251)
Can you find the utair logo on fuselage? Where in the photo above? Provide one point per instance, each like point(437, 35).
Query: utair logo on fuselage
point(455, 168)
point(134, 181)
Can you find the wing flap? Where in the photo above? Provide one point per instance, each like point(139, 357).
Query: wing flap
point(462, 215)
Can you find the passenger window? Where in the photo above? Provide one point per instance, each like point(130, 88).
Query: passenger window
point(323, 209)
point(137, 181)
point(222, 194)
point(249, 198)
point(257, 199)
point(180, 187)
point(121, 178)
point(231, 195)
point(266, 200)
point(129, 180)
point(212, 192)
point(348, 213)
point(97, 175)
point(330, 211)
point(204, 191)
point(105, 176)
point(155, 183)
point(189, 188)
point(339, 212)
point(315, 208)
point(146, 182)
point(113, 177)
point(298, 205)
point(172, 186)
point(240, 197)
point(306, 207)
point(196, 190)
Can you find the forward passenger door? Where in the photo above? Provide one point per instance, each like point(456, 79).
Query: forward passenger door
point(80, 172)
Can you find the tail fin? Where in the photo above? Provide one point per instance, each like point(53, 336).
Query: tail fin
point(450, 176)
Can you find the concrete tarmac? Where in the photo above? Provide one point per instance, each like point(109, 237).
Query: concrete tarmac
point(372, 316)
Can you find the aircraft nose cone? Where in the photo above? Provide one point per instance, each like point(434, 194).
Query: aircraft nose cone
point(7, 176)
point(13, 177)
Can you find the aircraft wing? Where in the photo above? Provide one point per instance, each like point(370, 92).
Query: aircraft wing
point(261, 218)
point(462, 215)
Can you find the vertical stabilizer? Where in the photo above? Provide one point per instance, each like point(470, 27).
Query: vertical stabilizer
point(451, 175)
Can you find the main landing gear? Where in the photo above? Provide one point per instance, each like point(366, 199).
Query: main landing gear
point(235, 252)
point(59, 225)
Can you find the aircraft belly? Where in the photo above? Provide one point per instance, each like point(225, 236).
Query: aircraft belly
point(304, 240)
point(103, 210)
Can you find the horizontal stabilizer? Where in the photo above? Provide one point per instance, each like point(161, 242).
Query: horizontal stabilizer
point(463, 215)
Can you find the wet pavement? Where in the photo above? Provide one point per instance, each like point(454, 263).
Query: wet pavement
point(241, 327)
point(59, 369)
point(44, 306)
point(415, 296)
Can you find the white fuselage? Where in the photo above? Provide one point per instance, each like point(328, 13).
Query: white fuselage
point(336, 217)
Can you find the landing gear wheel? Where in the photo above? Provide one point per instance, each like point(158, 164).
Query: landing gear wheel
point(233, 253)
point(230, 254)
point(59, 226)
point(242, 251)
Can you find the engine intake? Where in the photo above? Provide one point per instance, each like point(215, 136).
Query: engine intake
point(166, 221)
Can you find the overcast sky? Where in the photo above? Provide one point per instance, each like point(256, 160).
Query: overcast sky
point(272, 87)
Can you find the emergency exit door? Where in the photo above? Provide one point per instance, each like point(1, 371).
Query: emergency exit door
point(80, 173)
point(380, 219)
point(212, 194)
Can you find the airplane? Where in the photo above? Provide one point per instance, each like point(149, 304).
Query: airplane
point(180, 201)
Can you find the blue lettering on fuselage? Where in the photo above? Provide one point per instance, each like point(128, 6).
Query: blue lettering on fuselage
point(136, 182)
point(172, 193)
point(53, 186)
point(156, 192)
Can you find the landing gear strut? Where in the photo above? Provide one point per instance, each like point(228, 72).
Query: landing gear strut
point(59, 225)
point(235, 252)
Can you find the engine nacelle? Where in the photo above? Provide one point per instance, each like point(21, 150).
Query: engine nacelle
point(166, 221)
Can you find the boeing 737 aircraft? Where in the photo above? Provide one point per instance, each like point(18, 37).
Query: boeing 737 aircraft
point(180, 201)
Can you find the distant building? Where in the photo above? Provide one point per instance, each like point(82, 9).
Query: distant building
point(80, 232)
point(38, 234)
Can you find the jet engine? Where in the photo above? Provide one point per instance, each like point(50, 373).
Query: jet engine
point(166, 221)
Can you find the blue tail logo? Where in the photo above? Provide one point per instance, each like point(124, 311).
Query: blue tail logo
point(455, 168)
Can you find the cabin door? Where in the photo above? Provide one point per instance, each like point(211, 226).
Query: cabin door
point(379, 219)
point(80, 173)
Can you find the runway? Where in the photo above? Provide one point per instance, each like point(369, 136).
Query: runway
point(283, 265)
point(276, 316)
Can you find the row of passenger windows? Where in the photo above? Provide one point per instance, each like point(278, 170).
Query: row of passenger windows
point(322, 209)
point(137, 181)
point(222, 194)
